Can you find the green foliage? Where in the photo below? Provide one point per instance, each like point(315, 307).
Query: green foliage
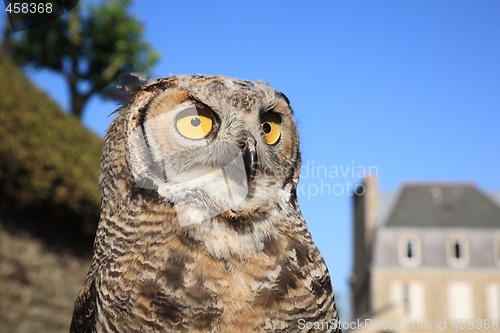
point(120, 48)
point(49, 162)
point(89, 47)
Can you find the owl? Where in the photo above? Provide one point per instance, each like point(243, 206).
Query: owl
point(200, 228)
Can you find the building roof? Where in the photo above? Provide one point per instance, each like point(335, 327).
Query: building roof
point(496, 198)
point(386, 202)
point(444, 205)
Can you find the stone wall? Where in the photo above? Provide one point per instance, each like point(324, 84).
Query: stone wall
point(38, 284)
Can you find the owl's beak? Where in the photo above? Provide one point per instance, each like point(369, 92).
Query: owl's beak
point(249, 152)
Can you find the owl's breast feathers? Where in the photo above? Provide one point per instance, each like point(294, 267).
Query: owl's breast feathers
point(174, 284)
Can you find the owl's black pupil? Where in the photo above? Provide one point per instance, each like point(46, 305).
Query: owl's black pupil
point(195, 121)
point(266, 127)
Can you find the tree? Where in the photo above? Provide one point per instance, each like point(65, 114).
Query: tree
point(88, 47)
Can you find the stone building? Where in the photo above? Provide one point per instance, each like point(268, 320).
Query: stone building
point(426, 258)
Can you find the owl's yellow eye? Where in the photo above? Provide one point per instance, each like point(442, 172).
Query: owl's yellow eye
point(195, 124)
point(271, 128)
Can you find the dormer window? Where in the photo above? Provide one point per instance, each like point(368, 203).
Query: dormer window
point(458, 251)
point(409, 250)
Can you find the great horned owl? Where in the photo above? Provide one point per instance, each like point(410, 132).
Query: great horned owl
point(200, 229)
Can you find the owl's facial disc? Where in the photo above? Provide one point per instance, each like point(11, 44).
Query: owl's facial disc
point(209, 157)
point(183, 155)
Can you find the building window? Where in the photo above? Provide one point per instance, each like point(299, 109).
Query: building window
point(411, 295)
point(396, 292)
point(409, 251)
point(460, 301)
point(458, 251)
point(493, 301)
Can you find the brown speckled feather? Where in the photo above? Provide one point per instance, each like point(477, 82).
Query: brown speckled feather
point(250, 266)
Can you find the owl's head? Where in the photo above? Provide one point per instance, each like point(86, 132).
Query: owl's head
point(211, 145)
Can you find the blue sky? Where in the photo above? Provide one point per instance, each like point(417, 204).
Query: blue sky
point(408, 88)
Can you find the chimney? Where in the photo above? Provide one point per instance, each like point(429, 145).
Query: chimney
point(365, 211)
point(371, 212)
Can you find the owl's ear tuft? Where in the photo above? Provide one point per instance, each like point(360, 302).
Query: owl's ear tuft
point(129, 85)
point(284, 97)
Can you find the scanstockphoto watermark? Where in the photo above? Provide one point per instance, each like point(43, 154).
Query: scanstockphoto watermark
point(488, 325)
point(333, 180)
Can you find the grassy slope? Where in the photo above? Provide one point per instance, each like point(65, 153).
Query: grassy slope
point(48, 163)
